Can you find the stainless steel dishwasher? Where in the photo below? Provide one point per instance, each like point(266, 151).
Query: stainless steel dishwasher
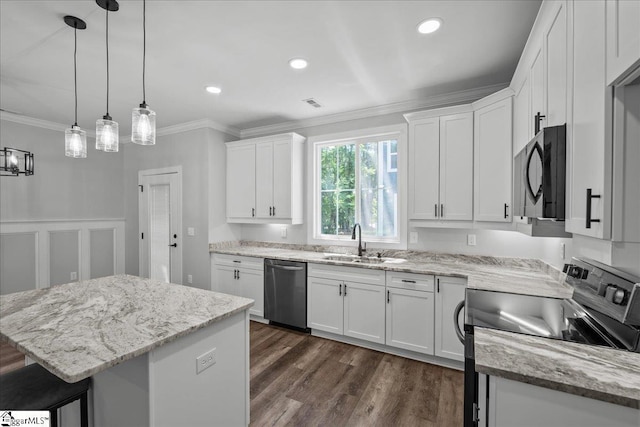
point(285, 292)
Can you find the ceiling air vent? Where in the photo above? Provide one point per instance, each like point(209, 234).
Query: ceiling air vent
point(312, 102)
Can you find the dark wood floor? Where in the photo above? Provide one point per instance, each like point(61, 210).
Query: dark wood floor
point(10, 358)
point(297, 379)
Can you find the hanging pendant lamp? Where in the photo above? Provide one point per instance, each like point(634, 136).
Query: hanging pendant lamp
point(107, 129)
point(75, 139)
point(143, 119)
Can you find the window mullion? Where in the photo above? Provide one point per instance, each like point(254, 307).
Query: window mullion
point(358, 215)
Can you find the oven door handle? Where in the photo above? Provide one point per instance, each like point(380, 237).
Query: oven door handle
point(456, 324)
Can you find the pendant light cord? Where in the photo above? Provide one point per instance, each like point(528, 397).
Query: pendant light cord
point(144, 49)
point(107, 39)
point(75, 72)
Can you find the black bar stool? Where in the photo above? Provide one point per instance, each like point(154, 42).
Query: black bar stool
point(35, 388)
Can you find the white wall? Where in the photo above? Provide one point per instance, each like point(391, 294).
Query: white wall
point(199, 152)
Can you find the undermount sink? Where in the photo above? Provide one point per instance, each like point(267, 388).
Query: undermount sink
point(361, 260)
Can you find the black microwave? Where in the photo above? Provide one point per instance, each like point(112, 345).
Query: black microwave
point(540, 174)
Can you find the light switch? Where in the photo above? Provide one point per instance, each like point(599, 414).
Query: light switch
point(283, 232)
point(191, 231)
point(471, 239)
point(413, 237)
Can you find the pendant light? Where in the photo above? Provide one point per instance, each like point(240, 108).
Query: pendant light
point(75, 139)
point(143, 119)
point(107, 129)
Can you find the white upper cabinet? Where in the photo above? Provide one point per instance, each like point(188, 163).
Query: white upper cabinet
point(492, 157)
point(536, 76)
point(241, 181)
point(265, 180)
point(588, 143)
point(623, 38)
point(441, 164)
point(456, 167)
point(522, 130)
point(555, 47)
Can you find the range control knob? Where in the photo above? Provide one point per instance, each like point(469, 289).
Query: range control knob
point(619, 296)
point(576, 272)
point(610, 292)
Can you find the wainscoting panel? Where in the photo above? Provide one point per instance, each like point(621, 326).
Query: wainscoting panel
point(18, 262)
point(102, 253)
point(64, 256)
point(92, 248)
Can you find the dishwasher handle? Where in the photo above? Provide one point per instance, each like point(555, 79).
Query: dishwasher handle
point(286, 267)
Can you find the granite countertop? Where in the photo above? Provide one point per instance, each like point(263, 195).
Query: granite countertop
point(500, 274)
point(591, 371)
point(79, 329)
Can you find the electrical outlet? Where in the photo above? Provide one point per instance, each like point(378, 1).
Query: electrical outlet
point(471, 239)
point(189, 278)
point(191, 231)
point(206, 360)
point(74, 275)
point(413, 237)
point(563, 249)
point(283, 232)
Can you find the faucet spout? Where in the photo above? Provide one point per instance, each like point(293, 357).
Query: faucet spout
point(361, 249)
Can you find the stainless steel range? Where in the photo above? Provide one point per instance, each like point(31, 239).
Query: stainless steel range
point(604, 311)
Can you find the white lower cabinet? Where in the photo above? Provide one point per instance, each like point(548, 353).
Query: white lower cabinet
point(410, 313)
point(364, 311)
point(353, 307)
point(241, 276)
point(449, 292)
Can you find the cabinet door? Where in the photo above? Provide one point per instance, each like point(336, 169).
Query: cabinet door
point(522, 130)
point(587, 146)
point(536, 77)
point(424, 169)
point(226, 281)
point(456, 167)
point(623, 37)
point(492, 162)
point(252, 285)
point(241, 181)
point(282, 179)
point(364, 311)
point(324, 305)
point(410, 316)
point(264, 179)
point(556, 77)
point(449, 292)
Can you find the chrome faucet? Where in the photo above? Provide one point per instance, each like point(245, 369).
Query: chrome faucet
point(361, 248)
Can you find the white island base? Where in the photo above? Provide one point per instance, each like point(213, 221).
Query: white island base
point(162, 388)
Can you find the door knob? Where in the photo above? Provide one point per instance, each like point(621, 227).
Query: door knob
point(175, 245)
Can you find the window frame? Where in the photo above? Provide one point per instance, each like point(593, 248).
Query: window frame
point(315, 144)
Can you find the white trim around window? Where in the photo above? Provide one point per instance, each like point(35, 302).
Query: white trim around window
point(397, 131)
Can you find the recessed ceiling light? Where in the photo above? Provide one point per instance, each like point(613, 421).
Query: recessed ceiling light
point(298, 63)
point(213, 89)
point(429, 26)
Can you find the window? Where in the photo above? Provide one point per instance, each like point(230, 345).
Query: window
point(357, 182)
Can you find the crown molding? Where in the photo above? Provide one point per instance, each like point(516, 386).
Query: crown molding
point(459, 97)
point(198, 124)
point(39, 123)
point(168, 130)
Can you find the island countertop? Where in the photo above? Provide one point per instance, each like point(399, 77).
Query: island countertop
point(78, 329)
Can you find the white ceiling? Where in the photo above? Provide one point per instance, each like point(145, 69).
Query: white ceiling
point(361, 54)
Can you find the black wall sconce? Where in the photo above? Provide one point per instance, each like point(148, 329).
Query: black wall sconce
point(14, 162)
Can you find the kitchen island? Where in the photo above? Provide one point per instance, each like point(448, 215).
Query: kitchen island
point(139, 339)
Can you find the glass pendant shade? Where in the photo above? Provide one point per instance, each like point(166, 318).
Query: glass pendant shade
point(143, 126)
point(75, 142)
point(107, 135)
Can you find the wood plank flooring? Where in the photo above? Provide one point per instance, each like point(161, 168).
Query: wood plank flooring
point(10, 358)
point(298, 379)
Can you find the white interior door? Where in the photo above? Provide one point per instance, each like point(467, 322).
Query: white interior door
point(160, 225)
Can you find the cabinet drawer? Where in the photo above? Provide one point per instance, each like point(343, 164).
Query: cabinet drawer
point(349, 274)
point(247, 262)
point(418, 282)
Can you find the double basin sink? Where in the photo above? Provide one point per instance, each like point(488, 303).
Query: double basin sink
point(354, 259)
